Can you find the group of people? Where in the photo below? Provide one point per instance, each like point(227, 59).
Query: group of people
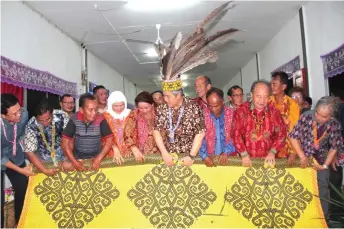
point(270, 125)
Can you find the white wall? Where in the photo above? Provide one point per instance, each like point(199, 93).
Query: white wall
point(129, 91)
point(282, 48)
point(31, 40)
point(102, 74)
point(324, 27)
point(249, 74)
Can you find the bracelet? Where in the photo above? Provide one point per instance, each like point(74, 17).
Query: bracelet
point(192, 157)
point(244, 154)
point(324, 166)
point(273, 151)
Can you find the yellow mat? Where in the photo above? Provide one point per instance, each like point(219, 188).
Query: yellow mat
point(153, 195)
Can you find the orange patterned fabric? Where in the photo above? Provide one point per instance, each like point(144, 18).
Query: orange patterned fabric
point(133, 137)
point(116, 125)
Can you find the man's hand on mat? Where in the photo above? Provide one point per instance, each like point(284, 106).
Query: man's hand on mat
point(79, 166)
point(246, 161)
point(270, 159)
point(50, 172)
point(223, 158)
point(168, 159)
point(208, 162)
point(304, 161)
point(96, 163)
point(27, 171)
point(291, 159)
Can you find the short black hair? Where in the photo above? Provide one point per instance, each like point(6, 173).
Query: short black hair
point(65, 96)
point(95, 89)
point(309, 100)
point(216, 91)
point(207, 80)
point(84, 97)
point(158, 91)
point(255, 83)
point(230, 90)
point(299, 90)
point(43, 107)
point(145, 97)
point(283, 77)
point(7, 100)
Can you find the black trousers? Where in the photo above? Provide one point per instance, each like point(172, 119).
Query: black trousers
point(336, 177)
point(19, 183)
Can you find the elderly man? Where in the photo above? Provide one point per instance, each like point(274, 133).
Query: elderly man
point(87, 128)
point(202, 85)
point(101, 95)
point(42, 140)
point(218, 122)
point(317, 134)
point(289, 109)
point(235, 96)
point(259, 130)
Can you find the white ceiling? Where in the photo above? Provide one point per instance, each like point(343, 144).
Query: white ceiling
point(80, 20)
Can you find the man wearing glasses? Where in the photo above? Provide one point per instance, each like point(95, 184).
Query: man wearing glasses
point(13, 121)
point(42, 141)
point(67, 104)
point(235, 97)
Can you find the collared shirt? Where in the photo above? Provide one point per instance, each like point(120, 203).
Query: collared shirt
point(290, 112)
point(33, 140)
point(201, 103)
point(304, 132)
point(220, 138)
point(87, 136)
point(270, 137)
point(191, 124)
point(7, 146)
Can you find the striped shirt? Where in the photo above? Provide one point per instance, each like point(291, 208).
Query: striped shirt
point(87, 135)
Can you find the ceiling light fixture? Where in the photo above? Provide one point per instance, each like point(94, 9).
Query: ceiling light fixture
point(158, 5)
point(151, 53)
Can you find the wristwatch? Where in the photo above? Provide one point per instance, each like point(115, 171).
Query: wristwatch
point(192, 157)
point(324, 166)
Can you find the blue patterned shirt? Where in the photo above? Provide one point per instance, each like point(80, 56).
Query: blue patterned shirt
point(220, 141)
point(33, 141)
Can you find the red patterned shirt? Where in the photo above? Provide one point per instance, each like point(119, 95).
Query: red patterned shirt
point(258, 140)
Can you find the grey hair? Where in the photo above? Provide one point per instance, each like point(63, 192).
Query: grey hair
point(180, 91)
point(255, 83)
point(329, 101)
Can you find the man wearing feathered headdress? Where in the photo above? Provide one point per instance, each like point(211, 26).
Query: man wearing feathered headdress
point(179, 126)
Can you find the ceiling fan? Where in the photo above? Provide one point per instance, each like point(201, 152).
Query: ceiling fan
point(157, 26)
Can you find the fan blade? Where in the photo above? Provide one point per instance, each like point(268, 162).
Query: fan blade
point(140, 41)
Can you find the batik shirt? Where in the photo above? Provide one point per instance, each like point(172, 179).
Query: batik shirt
point(304, 133)
point(290, 112)
point(221, 142)
point(139, 133)
point(191, 124)
point(257, 142)
point(33, 141)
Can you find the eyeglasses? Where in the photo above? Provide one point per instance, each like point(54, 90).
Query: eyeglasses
point(18, 113)
point(237, 95)
point(296, 97)
point(69, 103)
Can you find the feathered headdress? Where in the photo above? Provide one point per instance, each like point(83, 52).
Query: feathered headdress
point(183, 55)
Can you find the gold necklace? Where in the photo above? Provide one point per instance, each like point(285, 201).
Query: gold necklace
point(52, 148)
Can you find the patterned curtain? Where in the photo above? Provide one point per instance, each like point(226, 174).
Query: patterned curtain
point(15, 90)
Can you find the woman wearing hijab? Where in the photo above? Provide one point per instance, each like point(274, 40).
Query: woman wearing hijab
point(116, 116)
point(138, 131)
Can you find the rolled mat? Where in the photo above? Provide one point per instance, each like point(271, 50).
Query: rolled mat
point(150, 194)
